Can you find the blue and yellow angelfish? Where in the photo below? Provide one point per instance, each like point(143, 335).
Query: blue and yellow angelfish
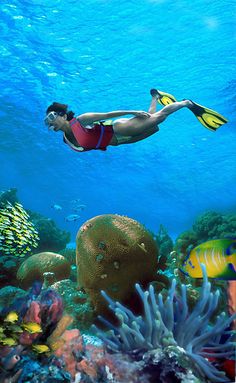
point(219, 257)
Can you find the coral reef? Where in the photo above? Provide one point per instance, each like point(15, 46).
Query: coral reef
point(210, 225)
point(8, 196)
point(113, 252)
point(76, 304)
point(18, 235)
point(9, 265)
point(32, 326)
point(45, 370)
point(35, 266)
point(69, 254)
point(87, 361)
point(51, 237)
point(185, 242)
point(165, 244)
point(170, 326)
point(8, 294)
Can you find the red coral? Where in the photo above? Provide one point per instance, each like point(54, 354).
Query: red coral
point(73, 345)
point(88, 359)
point(231, 294)
point(33, 313)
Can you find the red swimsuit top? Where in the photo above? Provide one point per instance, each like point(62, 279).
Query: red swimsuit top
point(98, 137)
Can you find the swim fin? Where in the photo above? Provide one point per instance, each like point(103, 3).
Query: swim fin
point(207, 117)
point(163, 97)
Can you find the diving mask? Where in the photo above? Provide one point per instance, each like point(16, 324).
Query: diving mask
point(50, 118)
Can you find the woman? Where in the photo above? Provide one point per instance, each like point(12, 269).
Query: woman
point(89, 130)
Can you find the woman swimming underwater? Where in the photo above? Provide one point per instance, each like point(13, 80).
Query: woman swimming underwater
point(91, 131)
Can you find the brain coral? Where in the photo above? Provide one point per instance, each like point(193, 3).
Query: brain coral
point(35, 266)
point(113, 253)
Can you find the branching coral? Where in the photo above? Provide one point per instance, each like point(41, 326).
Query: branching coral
point(170, 323)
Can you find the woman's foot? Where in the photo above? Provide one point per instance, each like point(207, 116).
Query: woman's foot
point(188, 103)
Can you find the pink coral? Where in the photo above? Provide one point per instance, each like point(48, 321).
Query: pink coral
point(33, 313)
point(72, 345)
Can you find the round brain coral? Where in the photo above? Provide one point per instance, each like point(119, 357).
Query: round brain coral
point(113, 253)
point(33, 268)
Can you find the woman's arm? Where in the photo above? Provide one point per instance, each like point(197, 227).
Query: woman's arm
point(88, 118)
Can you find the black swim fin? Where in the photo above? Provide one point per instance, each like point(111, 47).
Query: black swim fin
point(207, 117)
point(163, 98)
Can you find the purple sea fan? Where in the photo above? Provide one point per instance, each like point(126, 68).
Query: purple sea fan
point(170, 323)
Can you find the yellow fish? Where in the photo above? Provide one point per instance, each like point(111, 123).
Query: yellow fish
point(8, 342)
point(219, 257)
point(40, 348)
point(15, 328)
point(11, 317)
point(31, 327)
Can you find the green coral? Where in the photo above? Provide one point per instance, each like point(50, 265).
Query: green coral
point(186, 240)
point(18, 235)
point(165, 244)
point(70, 255)
point(208, 225)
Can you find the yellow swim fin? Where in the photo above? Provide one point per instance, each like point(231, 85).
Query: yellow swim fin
point(207, 117)
point(163, 98)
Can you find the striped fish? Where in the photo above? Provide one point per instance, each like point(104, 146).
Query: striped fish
point(219, 257)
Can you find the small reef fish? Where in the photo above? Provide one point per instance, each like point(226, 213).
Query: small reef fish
point(72, 217)
point(75, 201)
point(12, 317)
point(56, 207)
point(40, 348)
point(8, 342)
point(219, 257)
point(31, 327)
point(16, 329)
point(79, 208)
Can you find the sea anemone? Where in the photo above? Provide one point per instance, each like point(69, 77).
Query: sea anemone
point(169, 323)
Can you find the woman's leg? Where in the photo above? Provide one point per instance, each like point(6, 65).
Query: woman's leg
point(153, 106)
point(118, 140)
point(136, 126)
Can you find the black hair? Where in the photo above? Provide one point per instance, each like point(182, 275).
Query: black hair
point(61, 109)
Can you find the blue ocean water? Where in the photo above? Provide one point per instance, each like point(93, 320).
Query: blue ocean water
point(104, 55)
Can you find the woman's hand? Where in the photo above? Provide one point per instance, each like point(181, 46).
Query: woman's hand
point(141, 113)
